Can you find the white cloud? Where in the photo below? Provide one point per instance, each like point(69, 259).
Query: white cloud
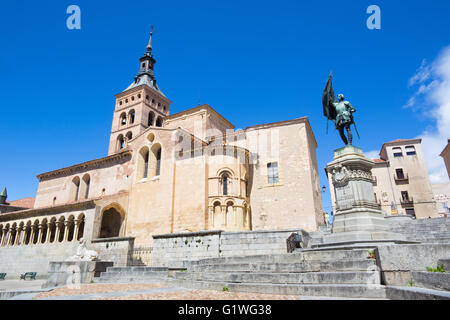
point(374, 154)
point(433, 97)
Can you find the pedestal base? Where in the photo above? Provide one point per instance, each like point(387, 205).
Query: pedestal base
point(63, 273)
point(359, 226)
point(358, 220)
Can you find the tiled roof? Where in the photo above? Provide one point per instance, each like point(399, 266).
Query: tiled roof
point(23, 203)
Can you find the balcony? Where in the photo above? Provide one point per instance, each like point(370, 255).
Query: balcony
point(402, 178)
point(408, 202)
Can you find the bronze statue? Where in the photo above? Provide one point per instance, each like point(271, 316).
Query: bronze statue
point(340, 112)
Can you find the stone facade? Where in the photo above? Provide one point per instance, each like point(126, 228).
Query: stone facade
point(186, 172)
point(441, 194)
point(400, 181)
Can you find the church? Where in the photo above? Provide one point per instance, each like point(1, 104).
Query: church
point(167, 173)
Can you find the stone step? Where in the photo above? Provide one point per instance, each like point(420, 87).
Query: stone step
point(298, 256)
point(305, 266)
point(372, 291)
point(129, 280)
point(358, 277)
point(119, 274)
point(135, 268)
point(431, 280)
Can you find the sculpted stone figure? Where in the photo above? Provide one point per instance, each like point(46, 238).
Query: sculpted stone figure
point(339, 111)
point(83, 254)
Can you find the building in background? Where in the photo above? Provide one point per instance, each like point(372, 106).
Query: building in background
point(400, 180)
point(445, 154)
point(441, 193)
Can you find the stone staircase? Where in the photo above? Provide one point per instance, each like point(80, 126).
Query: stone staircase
point(435, 230)
point(133, 274)
point(336, 273)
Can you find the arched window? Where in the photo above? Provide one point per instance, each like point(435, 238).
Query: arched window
point(151, 118)
point(86, 186)
point(13, 234)
point(70, 228)
point(27, 232)
point(44, 230)
point(61, 229)
point(75, 189)
point(35, 232)
point(80, 234)
point(52, 230)
point(225, 180)
point(217, 210)
point(155, 161)
point(123, 119)
point(142, 170)
point(131, 116)
point(129, 135)
point(159, 122)
point(120, 142)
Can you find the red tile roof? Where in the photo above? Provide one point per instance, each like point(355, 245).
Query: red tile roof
point(23, 203)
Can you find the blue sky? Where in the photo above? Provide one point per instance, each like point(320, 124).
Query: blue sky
point(253, 61)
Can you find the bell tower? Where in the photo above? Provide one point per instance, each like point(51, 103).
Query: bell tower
point(139, 106)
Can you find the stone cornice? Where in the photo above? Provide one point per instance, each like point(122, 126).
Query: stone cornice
point(138, 88)
point(84, 165)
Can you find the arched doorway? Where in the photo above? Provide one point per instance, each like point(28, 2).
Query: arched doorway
point(111, 223)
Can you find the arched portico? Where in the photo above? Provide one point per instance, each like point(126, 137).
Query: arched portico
point(112, 221)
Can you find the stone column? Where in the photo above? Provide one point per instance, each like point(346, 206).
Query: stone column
point(58, 224)
point(18, 234)
point(76, 229)
point(66, 231)
point(1, 237)
point(47, 238)
point(23, 235)
point(7, 235)
point(41, 227)
point(32, 232)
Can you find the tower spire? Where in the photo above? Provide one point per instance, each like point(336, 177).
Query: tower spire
point(149, 46)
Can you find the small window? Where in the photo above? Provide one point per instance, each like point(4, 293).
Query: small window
point(147, 97)
point(410, 151)
point(126, 100)
point(397, 152)
point(225, 184)
point(272, 172)
point(405, 196)
point(139, 96)
point(120, 102)
point(400, 174)
point(132, 98)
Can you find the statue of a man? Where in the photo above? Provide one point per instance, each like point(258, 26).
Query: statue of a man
point(340, 112)
point(344, 118)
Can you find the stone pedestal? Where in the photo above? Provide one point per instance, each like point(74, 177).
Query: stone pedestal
point(64, 273)
point(358, 218)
